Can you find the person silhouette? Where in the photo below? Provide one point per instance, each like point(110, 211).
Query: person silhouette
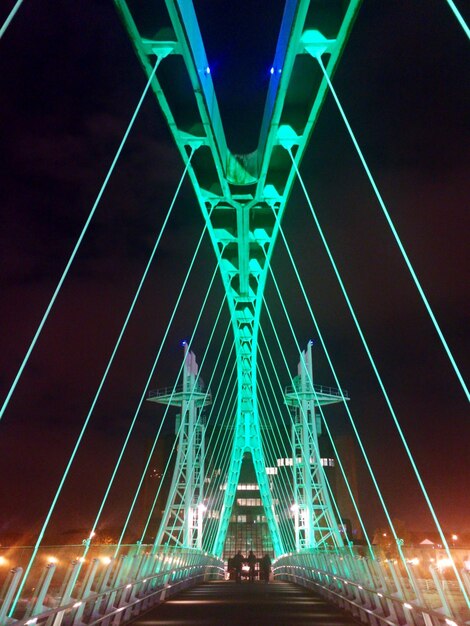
point(252, 562)
point(237, 563)
point(265, 568)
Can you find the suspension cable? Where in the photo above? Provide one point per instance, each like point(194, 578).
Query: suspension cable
point(393, 229)
point(149, 458)
point(309, 430)
point(459, 17)
point(313, 439)
point(10, 16)
point(77, 245)
point(379, 380)
point(325, 423)
point(197, 422)
point(97, 394)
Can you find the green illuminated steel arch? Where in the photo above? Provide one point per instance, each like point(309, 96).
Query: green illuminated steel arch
point(242, 197)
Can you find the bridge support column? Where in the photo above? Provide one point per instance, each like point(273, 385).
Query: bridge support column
point(181, 524)
point(314, 517)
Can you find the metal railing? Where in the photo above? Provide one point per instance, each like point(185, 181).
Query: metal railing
point(376, 592)
point(317, 389)
point(177, 391)
point(104, 589)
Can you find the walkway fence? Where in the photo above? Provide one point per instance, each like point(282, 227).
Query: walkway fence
point(101, 588)
point(379, 592)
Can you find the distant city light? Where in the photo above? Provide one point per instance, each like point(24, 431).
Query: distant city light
point(414, 561)
point(3, 561)
point(272, 70)
point(105, 560)
point(52, 559)
point(208, 70)
point(443, 563)
point(202, 507)
point(294, 508)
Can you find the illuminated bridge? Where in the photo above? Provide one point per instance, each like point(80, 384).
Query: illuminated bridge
point(239, 450)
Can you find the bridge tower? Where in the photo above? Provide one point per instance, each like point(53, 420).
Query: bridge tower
point(181, 523)
point(315, 521)
point(242, 197)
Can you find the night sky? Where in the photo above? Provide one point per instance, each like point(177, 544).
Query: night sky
point(69, 84)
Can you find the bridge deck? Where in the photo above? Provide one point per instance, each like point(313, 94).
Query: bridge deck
point(229, 603)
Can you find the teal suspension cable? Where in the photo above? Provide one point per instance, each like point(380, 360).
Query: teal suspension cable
point(310, 434)
point(379, 380)
point(95, 399)
point(325, 423)
point(145, 390)
point(221, 463)
point(459, 17)
point(118, 342)
point(77, 245)
point(11, 15)
point(395, 234)
point(191, 436)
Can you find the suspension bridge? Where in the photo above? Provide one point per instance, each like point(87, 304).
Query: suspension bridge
point(241, 453)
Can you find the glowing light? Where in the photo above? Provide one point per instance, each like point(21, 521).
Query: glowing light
point(207, 70)
point(105, 560)
point(294, 508)
point(3, 560)
point(76, 605)
point(414, 561)
point(407, 605)
point(443, 563)
point(454, 537)
point(52, 559)
point(380, 595)
point(271, 70)
point(31, 621)
point(449, 622)
point(202, 507)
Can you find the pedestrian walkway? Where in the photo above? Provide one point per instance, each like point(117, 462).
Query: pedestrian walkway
point(246, 604)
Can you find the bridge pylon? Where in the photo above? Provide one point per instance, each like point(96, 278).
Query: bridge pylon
point(242, 197)
point(182, 521)
point(315, 522)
